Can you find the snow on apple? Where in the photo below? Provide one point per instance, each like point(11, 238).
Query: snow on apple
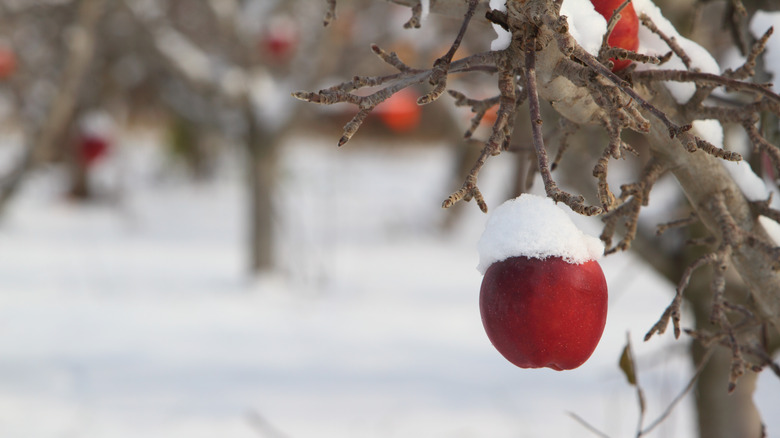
point(96, 137)
point(534, 227)
point(543, 298)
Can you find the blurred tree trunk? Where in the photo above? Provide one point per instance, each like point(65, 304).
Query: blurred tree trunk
point(719, 414)
point(262, 145)
point(42, 143)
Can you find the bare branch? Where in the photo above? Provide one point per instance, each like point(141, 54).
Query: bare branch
point(441, 66)
point(670, 41)
point(576, 203)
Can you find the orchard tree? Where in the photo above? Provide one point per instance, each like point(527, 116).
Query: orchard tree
point(209, 65)
point(564, 74)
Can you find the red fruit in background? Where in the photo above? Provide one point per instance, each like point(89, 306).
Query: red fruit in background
point(624, 35)
point(400, 111)
point(544, 313)
point(280, 39)
point(7, 62)
point(92, 148)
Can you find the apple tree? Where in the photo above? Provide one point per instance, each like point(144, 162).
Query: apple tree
point(566, 81)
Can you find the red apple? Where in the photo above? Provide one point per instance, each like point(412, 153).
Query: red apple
point(544, 312)
point(624, 35)
point(279, 41)
point(7, 62)
point(400, 112)
point(92, 148)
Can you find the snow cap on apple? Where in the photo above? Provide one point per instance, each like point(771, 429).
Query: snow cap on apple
point(543, 299)
point(534, 227)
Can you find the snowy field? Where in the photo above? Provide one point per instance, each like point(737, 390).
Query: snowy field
point(136, 318)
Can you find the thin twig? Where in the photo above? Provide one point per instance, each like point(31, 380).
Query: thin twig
point(668, 411)
point(587, 425)
point(670, 41)
point(441, 66)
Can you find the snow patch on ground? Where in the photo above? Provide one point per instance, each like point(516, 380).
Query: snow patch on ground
point(136, 318)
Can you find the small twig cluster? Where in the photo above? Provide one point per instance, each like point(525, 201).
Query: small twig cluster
point(733, 237)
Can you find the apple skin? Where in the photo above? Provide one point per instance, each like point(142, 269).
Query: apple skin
point(7, 63)
point(544, 313)
point(625, 33)
point(400, 111)
point(279, 41)
point(92, 148)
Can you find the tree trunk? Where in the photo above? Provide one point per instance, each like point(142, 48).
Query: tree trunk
point(720, 414)
point(723, 415)
point(262, 167)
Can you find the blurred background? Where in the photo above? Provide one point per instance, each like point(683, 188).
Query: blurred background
point(184, 251)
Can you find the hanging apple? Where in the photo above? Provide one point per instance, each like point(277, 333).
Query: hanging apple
point(279, 40)
point(92, 148)
point(543, 299)
point(625, 32)
point(7, 62)
point(95, 137)
point(400, 112)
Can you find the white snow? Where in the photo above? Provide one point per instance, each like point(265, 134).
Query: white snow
point(426, 9)
point(503, 37)
point(137, 319)
point(585, 24)
point(759, 24)
point(97, 123)
point(652, 44)
point(771, 227)
point(751, 185)
point(533, 226)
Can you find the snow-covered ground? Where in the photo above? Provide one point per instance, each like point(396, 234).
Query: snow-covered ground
point(137, 319)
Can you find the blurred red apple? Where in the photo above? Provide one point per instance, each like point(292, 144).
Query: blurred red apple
point(544, 312)
point(400, 111)
point(95, 137)
point(280, 39)
point(92, 148)
point(7, 62)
